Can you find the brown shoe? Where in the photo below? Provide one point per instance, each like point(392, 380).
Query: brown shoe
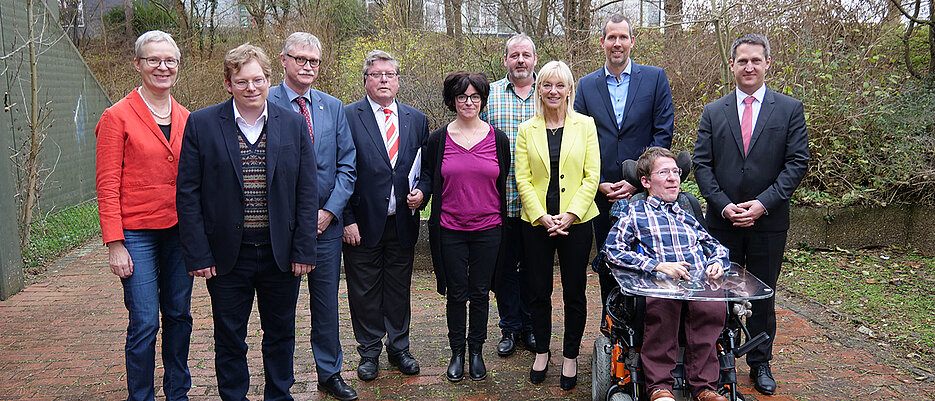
point(710, 395)
point(662, 394)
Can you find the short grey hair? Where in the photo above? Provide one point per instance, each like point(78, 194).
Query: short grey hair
point(519, 37)
point(375, 55)
point(152, 37)
point(301, 38)
point(750, 39)
point(617, 18)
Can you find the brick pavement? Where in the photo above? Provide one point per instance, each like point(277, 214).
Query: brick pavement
point(62, 339)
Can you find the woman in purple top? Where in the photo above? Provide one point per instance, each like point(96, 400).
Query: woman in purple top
point(467, 162)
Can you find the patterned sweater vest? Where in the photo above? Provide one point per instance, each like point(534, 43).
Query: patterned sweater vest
point(255, 213)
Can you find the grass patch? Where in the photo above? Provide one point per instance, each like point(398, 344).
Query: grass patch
point(58, 233)
point(888, 290)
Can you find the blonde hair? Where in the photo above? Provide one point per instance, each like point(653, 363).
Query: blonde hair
point(555, 69)
point(240, 55)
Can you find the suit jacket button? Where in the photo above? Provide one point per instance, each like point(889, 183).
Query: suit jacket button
point(237, 226)
point(170, 158)
point(561, 176)
point(563, 189)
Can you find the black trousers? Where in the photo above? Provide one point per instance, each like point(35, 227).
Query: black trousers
point(601, 229)
point(760, 252)
point(469, 259)
point(573, 251)
point(512, 296)
point(277, 292)
point(378, 282)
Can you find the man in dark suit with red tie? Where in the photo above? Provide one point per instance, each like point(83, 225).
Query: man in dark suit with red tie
point(750, 155)
point(381, 223)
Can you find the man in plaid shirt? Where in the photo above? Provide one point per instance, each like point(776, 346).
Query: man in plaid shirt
point(511, 102)
point(672, 242)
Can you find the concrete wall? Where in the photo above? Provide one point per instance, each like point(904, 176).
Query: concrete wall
point(75, 101)
point(863, 226)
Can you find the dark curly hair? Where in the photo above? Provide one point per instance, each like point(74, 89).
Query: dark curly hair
point(457, 82)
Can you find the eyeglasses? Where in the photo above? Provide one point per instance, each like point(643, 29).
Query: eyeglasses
point(302, 61)
point(549, 87)
point(378, 75)
point(244, 84)
point(464, 98)
point(664, 173)
point(156, 61)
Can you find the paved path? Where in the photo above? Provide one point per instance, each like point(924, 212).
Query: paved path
point(62, 339)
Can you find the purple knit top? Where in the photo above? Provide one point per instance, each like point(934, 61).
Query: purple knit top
point(469, 186)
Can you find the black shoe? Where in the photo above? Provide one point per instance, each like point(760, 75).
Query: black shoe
point(566, 382)
point(337, 388)
point(507, 344)
point(368, 368)
point(529, 340)
point(763, 379)
point(476, 362)
point(456, 366)
point(404, 362)
point(538, 376)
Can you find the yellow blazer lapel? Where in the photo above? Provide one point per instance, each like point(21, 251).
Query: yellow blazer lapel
point(570, 139)
point(538, 143)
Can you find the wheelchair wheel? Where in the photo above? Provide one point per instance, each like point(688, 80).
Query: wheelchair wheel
point(620, 397)
point(601, 377)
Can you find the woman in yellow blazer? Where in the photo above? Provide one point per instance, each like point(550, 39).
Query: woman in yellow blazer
point(557, 169)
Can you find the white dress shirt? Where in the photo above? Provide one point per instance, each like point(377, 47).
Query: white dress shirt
point(380, 116)
point(251, 132)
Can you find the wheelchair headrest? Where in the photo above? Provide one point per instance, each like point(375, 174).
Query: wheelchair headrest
point(683, 160)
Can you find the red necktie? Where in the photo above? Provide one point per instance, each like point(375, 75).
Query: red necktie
point(392, 138)
point(746, 123)
point(308, 118)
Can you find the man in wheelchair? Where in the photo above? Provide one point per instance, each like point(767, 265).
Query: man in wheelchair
point(656, 234)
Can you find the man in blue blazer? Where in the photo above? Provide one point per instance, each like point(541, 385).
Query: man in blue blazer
point(335, 152)
point(247, 205)
point(750, 155)
point(632, 107)
point(382, 224)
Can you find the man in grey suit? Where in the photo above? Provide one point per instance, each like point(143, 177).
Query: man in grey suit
point(750, 155)
point(335, 151)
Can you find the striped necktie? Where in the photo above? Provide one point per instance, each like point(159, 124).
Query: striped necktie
point(392, 137)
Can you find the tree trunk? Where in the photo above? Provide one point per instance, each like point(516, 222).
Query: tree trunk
point(673, 11)
point(453, 26)
point(542, 24)
point(128, 18)
point(32, 159)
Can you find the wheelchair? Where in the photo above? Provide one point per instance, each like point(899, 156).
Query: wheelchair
point(616, 372)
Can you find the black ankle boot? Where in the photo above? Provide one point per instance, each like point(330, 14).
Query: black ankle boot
point(456, 366)
point(476, 362)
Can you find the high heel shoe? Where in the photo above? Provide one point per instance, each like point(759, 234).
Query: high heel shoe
point(566, 382)
point(538, 376)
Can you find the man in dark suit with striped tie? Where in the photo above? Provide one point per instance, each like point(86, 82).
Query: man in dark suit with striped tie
point(381, 223)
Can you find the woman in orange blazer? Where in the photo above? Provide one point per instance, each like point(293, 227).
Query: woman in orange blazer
point(557, 169)
point(138, 144)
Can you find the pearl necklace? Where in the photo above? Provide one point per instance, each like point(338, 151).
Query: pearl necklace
point(159, 116)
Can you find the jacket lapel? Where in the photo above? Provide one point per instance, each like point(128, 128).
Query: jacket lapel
point(365, 113)
point(601, 83)
point(404, 123)
point(632, 90)
point(139, 107)
point(569, 140)
point(766, 109)
point(538, 143)
point(733, 120)
point(231, 137)
point(317, 111)
point(273, 142)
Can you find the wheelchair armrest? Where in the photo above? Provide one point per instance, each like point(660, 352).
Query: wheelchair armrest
point(750, 344)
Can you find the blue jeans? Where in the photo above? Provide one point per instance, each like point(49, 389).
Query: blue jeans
point(160, 282)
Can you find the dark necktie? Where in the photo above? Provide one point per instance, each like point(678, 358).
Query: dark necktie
point(303, 108)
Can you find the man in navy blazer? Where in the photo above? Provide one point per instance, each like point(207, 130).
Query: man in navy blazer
point(247, 203)
point(382, 224)
point(750, 155)
point(335, 153)
point(632, 107)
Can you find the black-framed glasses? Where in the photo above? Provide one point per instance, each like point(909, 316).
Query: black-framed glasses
point(156, 61)
point(378, 75)
point(301, 61)
point(244, 84)
point(462, 98)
